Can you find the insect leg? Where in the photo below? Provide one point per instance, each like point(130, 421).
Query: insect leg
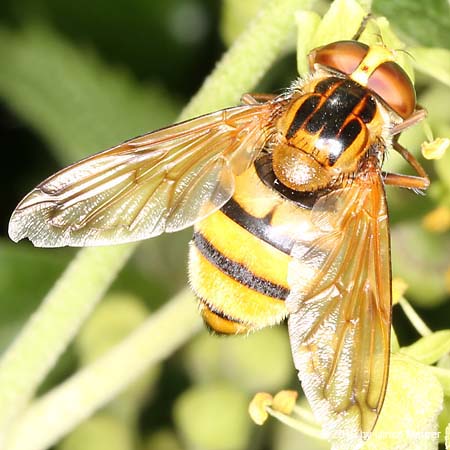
point(362, 27)
point(408, 181)
point(418, 115)
point(254, 99)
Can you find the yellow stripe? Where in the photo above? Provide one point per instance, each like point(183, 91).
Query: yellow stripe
point(239, 245)
point(254, 196)
point(227, 295)
point(259, 200)
point(220, 324)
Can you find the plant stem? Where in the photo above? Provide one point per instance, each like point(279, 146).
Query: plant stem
point(296, 424)
point(414, 318)
point(78, 397)
point(249, 58)
point(304, 414)
point(395, 346)
point(87, 278)
point(53, 325)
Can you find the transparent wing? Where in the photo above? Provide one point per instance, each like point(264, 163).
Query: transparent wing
point(162, 181)
point(341, 310)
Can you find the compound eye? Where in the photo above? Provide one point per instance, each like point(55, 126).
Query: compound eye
point(343, 56)
point(391, 83)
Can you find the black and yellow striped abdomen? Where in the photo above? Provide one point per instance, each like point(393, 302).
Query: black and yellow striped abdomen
point(239, 258)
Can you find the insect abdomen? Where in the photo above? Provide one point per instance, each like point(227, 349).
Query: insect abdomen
point(238, 263)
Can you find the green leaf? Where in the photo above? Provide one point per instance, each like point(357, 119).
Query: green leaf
point(409, 418)
point(443, 375)
point(117, 316)
point(91, 273)
point(307, 24)
point(234, 75)
point(435, 62)
point(439, 99)
point(442, 165)
point(115, 319)
point(235, 16)
point(213, 417)
point(100, 431)
point(436, 99)
point(76, 102)
point(421, 258)
point(429, 349)
point(340, 22)
point(97, 384)
point(162, 439)
point(259, 362)
point(380, 31)
point(26, 274)
point(425, 22)
point(444, 419)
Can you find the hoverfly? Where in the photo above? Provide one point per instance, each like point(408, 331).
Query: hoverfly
point(286, 195)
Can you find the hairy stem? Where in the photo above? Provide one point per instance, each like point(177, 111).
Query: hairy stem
point(53, 325)
point(84, 282)
point(78, 397)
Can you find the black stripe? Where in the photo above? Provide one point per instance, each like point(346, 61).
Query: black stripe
point(323, 86)
point(350, 132)
point(305, 200)
point(368, 110)
point(302, 115)
point(329, 118)
point(238, 271)
point(258, 227)
point(223, 316)
point(218, 313)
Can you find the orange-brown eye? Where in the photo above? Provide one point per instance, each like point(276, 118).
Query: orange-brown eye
point(344, 56)
point(391, 83)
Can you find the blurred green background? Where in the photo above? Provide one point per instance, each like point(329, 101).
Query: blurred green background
point(78, 77)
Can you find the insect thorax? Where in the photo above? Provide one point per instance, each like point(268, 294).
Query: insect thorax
point(327, 130)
